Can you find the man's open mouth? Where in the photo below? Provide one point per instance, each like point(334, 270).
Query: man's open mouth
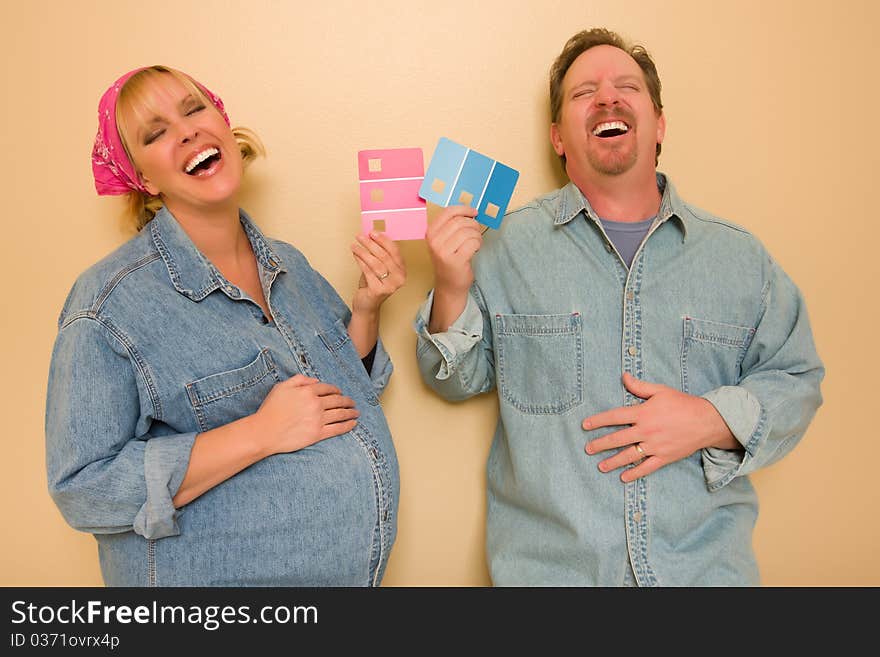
point(610, 129)
point(202, 161)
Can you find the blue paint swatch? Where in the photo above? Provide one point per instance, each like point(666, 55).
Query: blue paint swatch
point(459, 176)
point(497, 195)
point(472, 180)
point(443, 172)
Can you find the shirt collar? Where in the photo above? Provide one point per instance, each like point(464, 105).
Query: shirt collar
point(191, 273)
point(573, 202)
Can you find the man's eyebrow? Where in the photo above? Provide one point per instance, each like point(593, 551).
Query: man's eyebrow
point(583, 83)
point(628, 77)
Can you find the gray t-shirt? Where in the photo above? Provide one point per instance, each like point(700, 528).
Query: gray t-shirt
point(627, 236)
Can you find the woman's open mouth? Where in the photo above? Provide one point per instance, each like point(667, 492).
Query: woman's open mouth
point(203, 163)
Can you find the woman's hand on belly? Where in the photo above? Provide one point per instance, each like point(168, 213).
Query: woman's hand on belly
point(299, 412)
point(296, 413)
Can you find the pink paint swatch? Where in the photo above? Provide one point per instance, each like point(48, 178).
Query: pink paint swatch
point(389, 187)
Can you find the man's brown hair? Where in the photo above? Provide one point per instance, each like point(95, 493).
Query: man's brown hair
point(599, 36)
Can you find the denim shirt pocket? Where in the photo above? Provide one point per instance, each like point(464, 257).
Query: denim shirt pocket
point(221, 398)
point(338, 342)
point(539, 361)
point(711, 354)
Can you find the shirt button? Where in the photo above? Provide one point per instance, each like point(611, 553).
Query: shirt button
point(637, 516)
point(385, 516)
point(629, 295)
point(272, 263)
point(608, 247)
point(303, 359)
point(632, 351)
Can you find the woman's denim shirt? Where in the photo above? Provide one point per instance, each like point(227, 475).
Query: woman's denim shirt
point(155, 346)
point(554, 319)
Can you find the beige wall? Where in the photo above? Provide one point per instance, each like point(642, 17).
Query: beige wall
point(771, 109)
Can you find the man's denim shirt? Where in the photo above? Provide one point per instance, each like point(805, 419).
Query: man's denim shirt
point(156, 346)
point(553, 320)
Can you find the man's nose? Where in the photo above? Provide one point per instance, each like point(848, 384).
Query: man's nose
point(607, 94)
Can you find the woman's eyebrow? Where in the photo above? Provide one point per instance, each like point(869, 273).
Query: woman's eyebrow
point(188, 99)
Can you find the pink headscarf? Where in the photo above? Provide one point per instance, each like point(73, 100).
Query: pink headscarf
point(114, 173)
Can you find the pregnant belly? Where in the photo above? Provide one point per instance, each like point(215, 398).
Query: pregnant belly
point(299, 519)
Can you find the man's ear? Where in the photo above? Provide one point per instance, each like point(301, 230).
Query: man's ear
point(556, 140)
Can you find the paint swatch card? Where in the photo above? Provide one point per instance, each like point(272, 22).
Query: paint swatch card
point(459, 176)
point(390, 203)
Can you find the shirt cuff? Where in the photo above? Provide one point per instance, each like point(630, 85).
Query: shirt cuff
point(381, 368)
point(745, 418)
point(459, 338)
point(166, 459)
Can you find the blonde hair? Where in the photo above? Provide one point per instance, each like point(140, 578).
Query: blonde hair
point(135, 95)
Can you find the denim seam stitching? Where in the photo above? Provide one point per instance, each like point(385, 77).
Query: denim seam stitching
point(380, 501)
point(463, 377)
point(691, 334)
point(296, 348)
point(637, 316)
point(757, 434)
point(201, 419)
point(263, 245)
point(721, 341)
point(117, 278)
point(642, 502)
point(140, 364)
point(151, 562)
point(685, 344)
point(558, 407)
point(727, 478)
point(369, 391)
point(342, 338)
point(165, 252)
point(262, 357)
point(639, 492)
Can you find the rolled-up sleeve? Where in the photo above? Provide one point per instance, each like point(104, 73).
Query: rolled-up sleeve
point(380, 372)
point(778, 394)
point(104, 474)
point(457, 363)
